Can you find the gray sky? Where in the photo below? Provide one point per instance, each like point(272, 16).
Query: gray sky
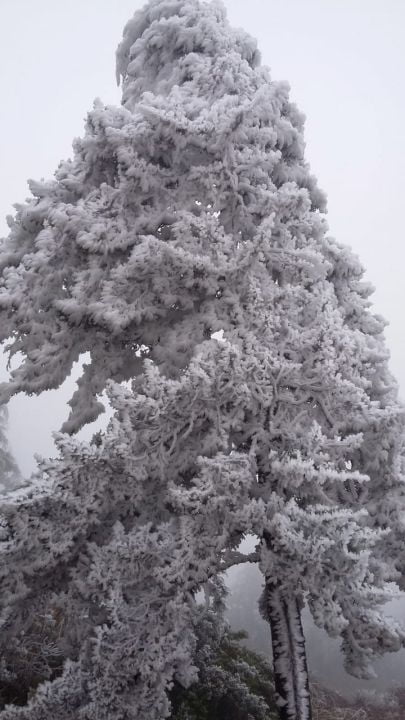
point(345, 62)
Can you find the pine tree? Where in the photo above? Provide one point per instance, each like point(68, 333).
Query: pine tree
point(185, 246)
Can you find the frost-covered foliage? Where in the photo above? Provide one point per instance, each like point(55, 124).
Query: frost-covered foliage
point(116, 538)
point(185, 247)
point(9, 473)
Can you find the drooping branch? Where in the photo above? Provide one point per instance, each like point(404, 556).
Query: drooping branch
point(237, 558)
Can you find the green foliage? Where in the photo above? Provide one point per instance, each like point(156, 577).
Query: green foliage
point(234, 682)
point(35, 656)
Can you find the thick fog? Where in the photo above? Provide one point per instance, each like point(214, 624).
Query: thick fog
point(324, 659)
point(345, 62)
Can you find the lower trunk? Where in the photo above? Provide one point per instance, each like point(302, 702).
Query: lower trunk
point(289, 656)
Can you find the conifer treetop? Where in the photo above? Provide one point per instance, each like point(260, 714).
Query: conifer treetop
point(132, 249)
point(166, 39)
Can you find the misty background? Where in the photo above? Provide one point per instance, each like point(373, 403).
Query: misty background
point(345, 62)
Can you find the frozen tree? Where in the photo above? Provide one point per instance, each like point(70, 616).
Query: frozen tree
point(184, 244)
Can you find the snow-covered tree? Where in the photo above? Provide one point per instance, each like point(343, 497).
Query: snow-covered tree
point(185, 245)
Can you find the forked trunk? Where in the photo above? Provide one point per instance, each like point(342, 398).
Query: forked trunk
point(289, 656)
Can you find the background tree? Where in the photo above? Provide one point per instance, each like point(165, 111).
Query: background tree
point(9, 473)
point(191, 211)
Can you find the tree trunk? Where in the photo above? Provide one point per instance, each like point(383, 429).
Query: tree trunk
point(289, 656)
